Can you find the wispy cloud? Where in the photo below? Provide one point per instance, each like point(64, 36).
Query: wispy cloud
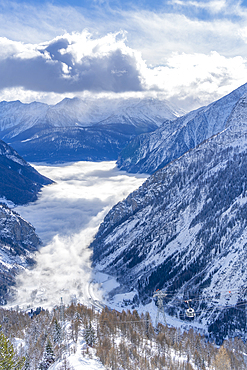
point(214, 6)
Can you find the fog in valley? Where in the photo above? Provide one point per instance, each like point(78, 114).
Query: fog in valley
point(66, 217)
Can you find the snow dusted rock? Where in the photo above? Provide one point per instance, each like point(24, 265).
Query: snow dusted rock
point(151, 151)
point(20, 182)
point(18, 242)
point(185, 231)
point(76, 129)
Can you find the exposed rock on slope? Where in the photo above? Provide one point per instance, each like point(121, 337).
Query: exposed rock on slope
point(18, 242)
point(185, 230)
point(149, 152)
point(20, 182)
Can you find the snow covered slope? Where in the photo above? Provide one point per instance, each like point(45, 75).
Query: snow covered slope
point(151, 151)
point(76, 129)
point(20, 182)
point(185, 231)
point(18, 242)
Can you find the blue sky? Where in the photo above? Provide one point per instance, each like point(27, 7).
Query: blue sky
point(190, 51)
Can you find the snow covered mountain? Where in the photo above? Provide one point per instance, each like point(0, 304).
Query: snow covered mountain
point(185, 231)
point(20, 182)
point(18, 242)
point(151, 151)
point(76, 129)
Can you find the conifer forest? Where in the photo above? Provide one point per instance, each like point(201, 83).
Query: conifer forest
point(42, 339)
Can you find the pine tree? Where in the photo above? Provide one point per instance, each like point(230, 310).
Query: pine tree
point(57, 332)
point(48, 356)
point(8, 358)
point(89, 334)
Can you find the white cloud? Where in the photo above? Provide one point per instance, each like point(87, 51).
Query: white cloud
point(71, 63)
point(198, 77)
point(214, 6)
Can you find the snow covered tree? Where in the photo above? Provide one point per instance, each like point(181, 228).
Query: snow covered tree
point(8, 358)
point(89, 334)
point(48, 356)
point(57, 331)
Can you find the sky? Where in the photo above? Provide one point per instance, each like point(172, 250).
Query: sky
point(66, 217)
point(191, 52)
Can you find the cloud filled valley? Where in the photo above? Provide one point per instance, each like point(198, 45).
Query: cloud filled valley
point(66, 217)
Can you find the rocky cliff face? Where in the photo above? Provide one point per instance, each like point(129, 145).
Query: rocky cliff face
point(185, 231)
point(151, 151)
point(18, 242)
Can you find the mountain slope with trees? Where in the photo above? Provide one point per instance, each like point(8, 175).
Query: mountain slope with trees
point(115, 341)
point(184, 230)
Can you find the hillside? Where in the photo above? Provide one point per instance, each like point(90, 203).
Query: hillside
point(184, 230)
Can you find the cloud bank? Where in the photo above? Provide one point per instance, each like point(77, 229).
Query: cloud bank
point(66, 217)
point(71, 63)
point(192, 52)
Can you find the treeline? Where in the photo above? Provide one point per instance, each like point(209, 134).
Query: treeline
point(121, 340)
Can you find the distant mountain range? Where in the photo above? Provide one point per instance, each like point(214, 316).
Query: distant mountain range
point(151, 151)
point(76, 129)
point(185, 229)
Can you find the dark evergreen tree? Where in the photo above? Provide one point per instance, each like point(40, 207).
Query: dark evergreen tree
point(57, 332)
point(89, 334)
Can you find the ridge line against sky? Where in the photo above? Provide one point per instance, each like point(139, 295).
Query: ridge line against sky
point(189, 52)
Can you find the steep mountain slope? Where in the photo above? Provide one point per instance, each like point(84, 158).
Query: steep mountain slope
point(20, 182)
point(76, 129)
point(185, 230)
point(18, 242)
point(149, 152)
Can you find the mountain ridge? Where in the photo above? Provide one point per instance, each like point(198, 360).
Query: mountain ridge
point(152, 151)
